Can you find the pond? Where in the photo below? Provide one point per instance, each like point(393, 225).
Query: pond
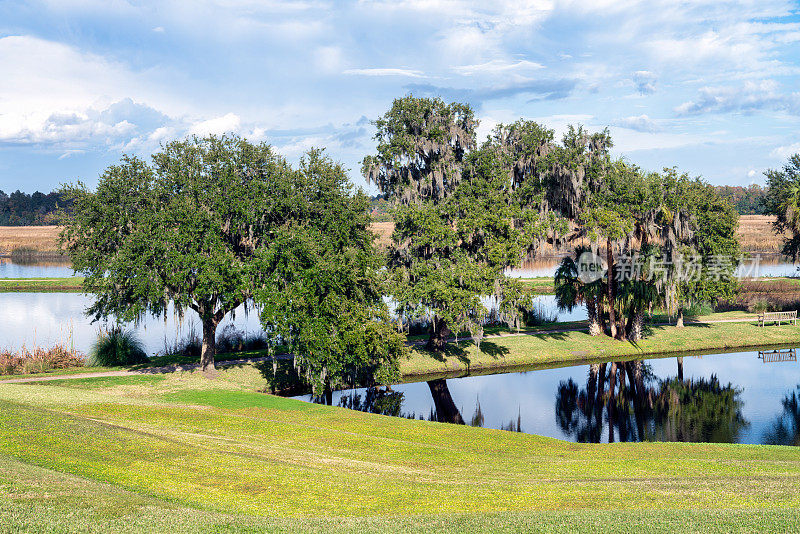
point(46, 319)
point(734, 398)
point(39, 269)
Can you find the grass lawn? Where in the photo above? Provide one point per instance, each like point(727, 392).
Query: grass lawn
point(40, 285)
point(182, 453)
point(548, 348)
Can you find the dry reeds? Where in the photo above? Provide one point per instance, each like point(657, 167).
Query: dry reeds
point(39, 360)
point(756, 234)
point(37, 240)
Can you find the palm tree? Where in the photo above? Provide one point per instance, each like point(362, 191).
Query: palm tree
point(571, 291)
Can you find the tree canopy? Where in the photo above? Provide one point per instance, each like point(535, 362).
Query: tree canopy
point(217, 223)
point(783, 201)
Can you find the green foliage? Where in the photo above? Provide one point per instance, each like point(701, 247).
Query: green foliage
point(324, 298)
point(783, 201)
point(699, 411)
point(115, 347)
point(185, 230)
point(457, 226)
point(745, 200)
point(421, 145)
point(21, 209)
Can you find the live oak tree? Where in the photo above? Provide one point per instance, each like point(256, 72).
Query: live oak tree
point(456, 226)
point(184, 229)
point(324, 297)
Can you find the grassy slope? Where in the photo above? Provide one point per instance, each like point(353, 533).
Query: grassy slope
point(184, 453)
point(550, 348)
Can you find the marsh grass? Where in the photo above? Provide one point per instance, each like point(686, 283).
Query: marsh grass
point(39, 360)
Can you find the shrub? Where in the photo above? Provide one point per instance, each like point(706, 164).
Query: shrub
point(116, 347)
point(538, 314)
point(38, 360)
point(759, 305)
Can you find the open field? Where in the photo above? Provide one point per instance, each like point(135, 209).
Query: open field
point(755, 235)
point(184, 453)
point(43, 239)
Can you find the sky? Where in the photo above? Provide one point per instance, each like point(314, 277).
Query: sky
point(709, 86)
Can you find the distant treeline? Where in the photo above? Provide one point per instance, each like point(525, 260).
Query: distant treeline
point(38, 209)
point(22, 209)
point(745, 200)
point(379, 209)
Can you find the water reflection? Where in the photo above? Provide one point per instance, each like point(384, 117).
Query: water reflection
point(669, 410)
point(726, 398)
point(38, 269)
point(46, 319)
point(786, 428)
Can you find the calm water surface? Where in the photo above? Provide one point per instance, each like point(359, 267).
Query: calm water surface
point(752, 402)
point(45, 319)
point(9, 269)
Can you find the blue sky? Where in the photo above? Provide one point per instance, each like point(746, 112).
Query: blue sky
point(708, 86)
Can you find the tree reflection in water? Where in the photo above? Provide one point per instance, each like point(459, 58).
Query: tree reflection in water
point(385, 401)
point(630, 404)
point(786, 428)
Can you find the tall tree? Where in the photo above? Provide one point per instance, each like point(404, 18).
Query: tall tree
point(783, 201)
point(455, 226)
point(422, 143)
point(324, 296)
point(185, 230)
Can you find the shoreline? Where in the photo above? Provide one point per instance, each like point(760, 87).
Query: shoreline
point(516, 353)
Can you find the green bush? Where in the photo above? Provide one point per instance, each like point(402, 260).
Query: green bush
point(116, 347)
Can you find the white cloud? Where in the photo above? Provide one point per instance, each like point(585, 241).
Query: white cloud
point(750, 97)
point(228, 123)
point(645, 81)
point(784, 152)
point(640, 123)
point(385, 72)
point(329, 59)
point(53, 93)
point(497, 66)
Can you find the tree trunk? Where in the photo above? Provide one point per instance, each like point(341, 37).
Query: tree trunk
point(637, 326)
point(591, 387)
point(592, 312)
point(601, 313)
point(446, 411)
point(637, 396)
point(679, 322)
point(440, 333)
point(612, 401)
point(601, 382)
point(680, 368)
point(209, 347)
point(612, 317)
point(612, 381)
point(328, 396)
